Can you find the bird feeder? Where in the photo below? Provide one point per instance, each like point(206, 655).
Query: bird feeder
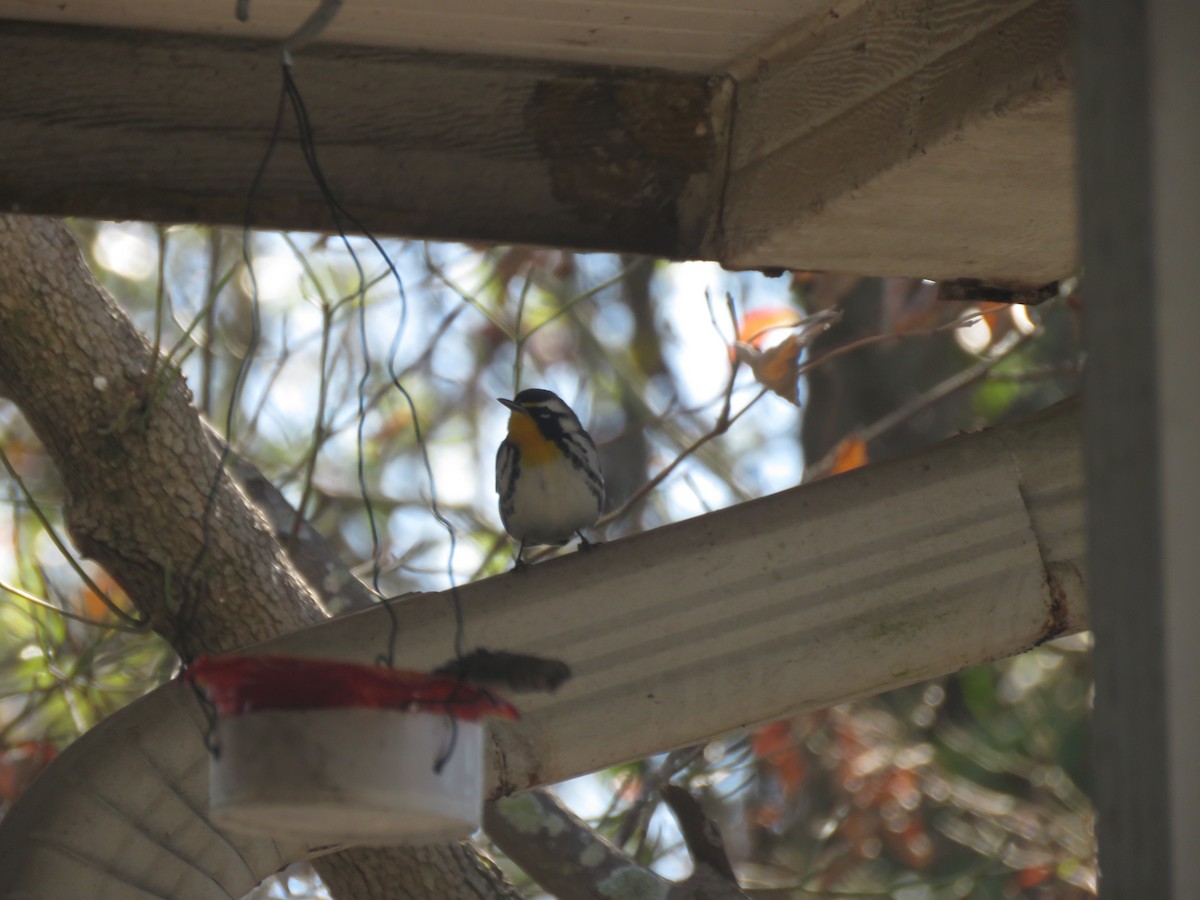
point(334, 752)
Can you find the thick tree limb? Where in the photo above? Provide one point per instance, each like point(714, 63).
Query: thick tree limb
point(307, 548)
point(568, 859)
point(572, 862)
point(134, 455)
point(449, 872)
point(138, 468)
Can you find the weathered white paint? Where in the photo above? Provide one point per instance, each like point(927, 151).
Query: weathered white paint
point(492, 149)
point(683, 35)
point(846, 587)
point(897, 137)
point(908, 138)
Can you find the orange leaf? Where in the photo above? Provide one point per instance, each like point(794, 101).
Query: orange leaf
point(777, 367)
point(776, 745)
point(632, 790)
point(770, 739)
point(850, 453)
point(90, 605)
point(758, 324)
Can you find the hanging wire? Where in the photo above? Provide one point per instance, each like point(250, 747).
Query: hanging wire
point(309, 30)
point(451, 532)
point(188, 607)
point(212, 742)
point(290, 94)
point(341, 217)
point(187, 611)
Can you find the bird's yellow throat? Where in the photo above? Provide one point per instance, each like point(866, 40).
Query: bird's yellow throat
point(535, 449)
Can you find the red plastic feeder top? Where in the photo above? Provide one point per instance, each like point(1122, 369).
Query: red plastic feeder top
point(237, 685)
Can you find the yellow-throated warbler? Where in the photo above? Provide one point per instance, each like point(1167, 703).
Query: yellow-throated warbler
point(547, 472)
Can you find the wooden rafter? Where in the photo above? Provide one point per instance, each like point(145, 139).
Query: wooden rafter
point(898, 137)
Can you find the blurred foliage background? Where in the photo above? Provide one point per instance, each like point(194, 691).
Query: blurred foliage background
point(703, 388)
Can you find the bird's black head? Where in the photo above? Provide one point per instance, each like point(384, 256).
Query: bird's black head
point(546, 408)
point(535, 397)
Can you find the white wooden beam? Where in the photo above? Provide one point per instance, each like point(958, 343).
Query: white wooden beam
point(681, 35)
point(927, 138)
point(150, 125)
point(882, 577)
point(1139, 139)
point(908, 138)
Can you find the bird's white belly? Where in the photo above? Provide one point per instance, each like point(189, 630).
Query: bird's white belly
point(550, 503)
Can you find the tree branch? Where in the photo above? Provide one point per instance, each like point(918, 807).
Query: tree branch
point(700, 833)
point(306, 547)
point(561, 853)
point(570, 861)
point(139, 467)
point(134, 456)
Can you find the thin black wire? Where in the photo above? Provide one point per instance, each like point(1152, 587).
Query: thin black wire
point(434, 506)
point(308, 147)
point(340, 216)
point(186, 614)
point(209, 710)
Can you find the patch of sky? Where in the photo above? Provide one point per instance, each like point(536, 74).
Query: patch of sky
point(127, 249)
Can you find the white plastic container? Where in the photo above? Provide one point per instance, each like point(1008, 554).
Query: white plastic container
point(362, 776)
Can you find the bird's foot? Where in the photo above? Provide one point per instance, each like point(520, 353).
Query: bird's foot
point(520, 565)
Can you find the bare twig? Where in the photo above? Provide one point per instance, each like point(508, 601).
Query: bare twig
point(932, 396)
point(132, 621)
point(251, 428)
point(466, 296)
point(580, 297)
point(649, 789)
point(716, 431)
point(725, 421)
point(519, 350)
point(887, 337)
point(67, 614)
point(160, 233)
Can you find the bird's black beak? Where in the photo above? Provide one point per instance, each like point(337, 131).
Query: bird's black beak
point(513, 405)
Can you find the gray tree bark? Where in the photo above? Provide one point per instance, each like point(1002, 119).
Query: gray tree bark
point(138, 469)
